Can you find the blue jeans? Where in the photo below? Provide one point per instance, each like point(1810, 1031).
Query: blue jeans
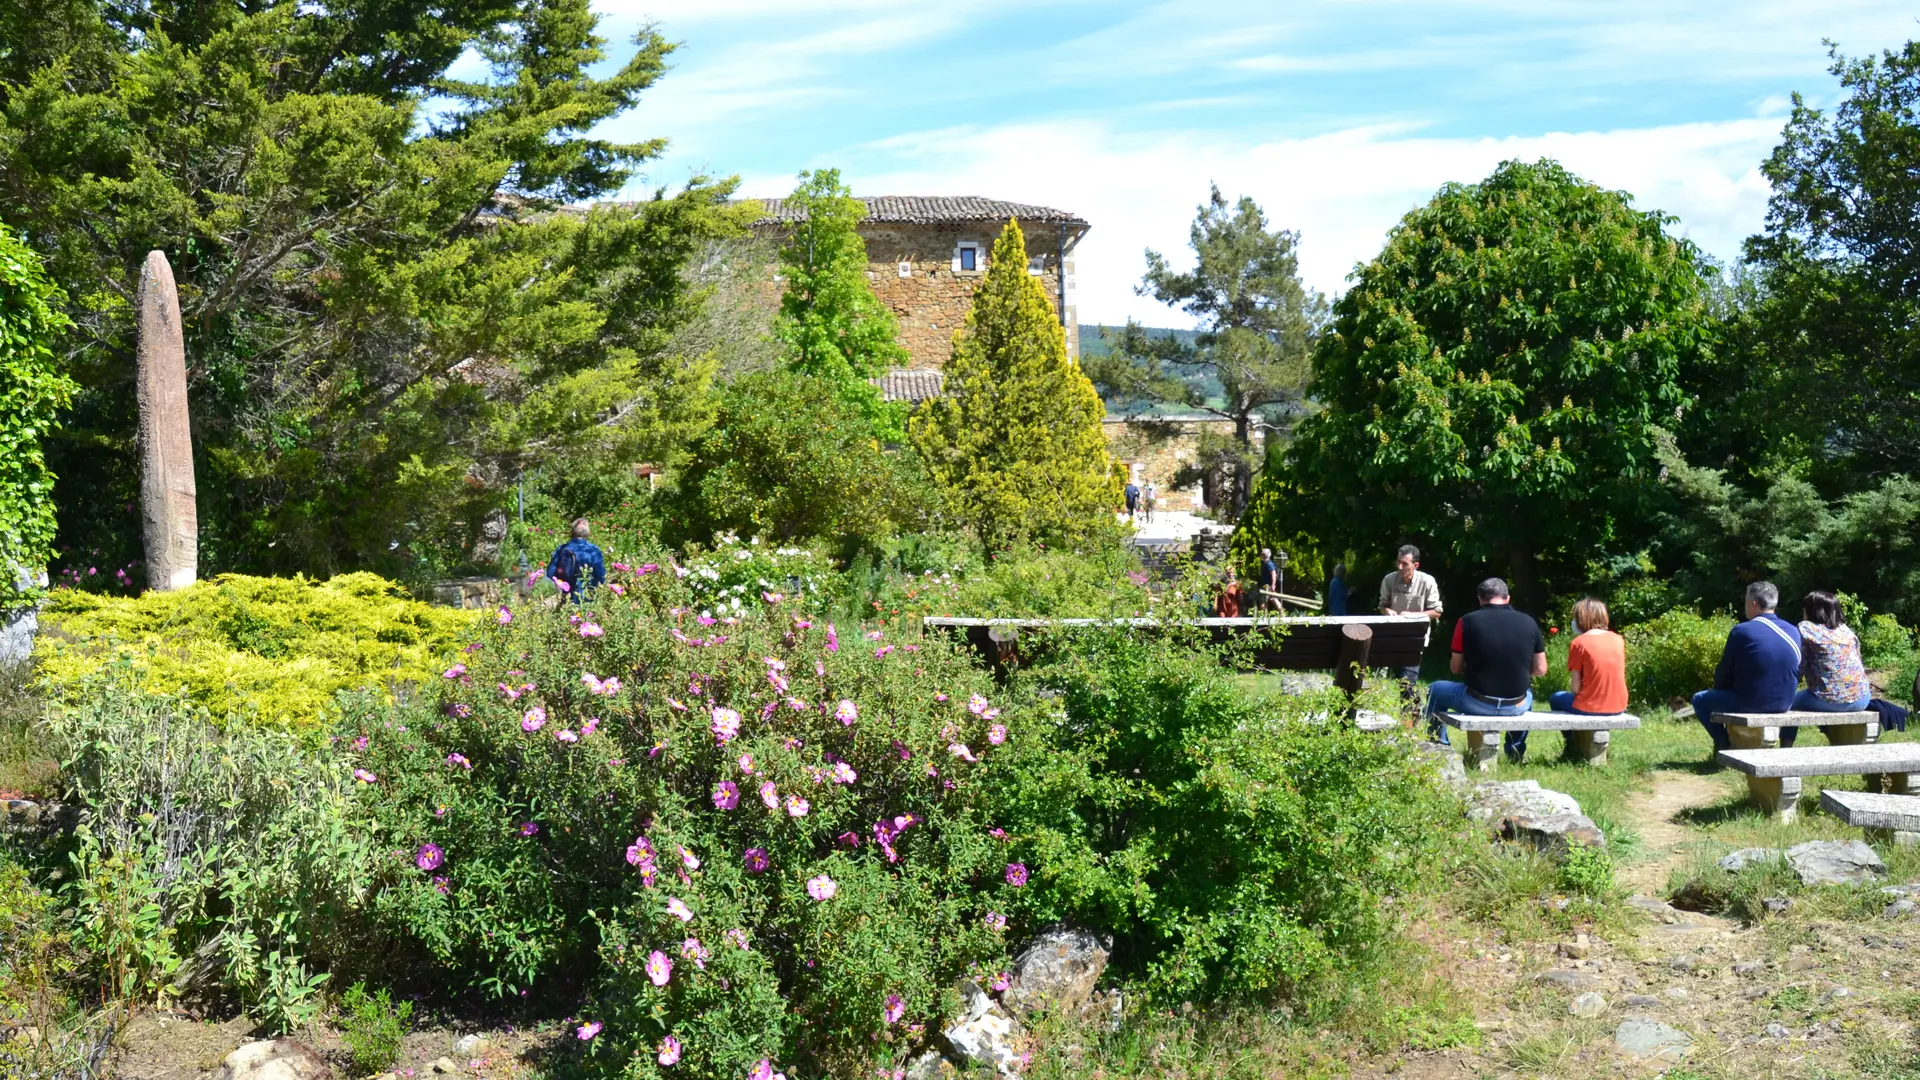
point(1562, 701)
point(1446, 697)
point(1808, 701)
point(1706, 703)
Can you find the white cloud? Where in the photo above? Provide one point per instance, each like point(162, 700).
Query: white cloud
point(1342, 191)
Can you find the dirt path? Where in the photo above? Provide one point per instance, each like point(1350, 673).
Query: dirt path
point(1666, 840)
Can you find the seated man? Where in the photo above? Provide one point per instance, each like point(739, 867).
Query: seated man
point(1759, 667)
point(1499, 651)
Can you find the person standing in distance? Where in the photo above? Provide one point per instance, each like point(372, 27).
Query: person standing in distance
point(578, 563)
point(1132, 493)
point(1409, 592)
point(1337, 590)
point(1269, 581)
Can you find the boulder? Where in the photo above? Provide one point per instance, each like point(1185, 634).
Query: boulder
point(1746, 857)
point(1658, 910)
point(1058, 970)
point(274, 1059)
point(1567, 980)
point(1495, 799)
point(1835, 862)
point(1587, 1006)
point(1446, 761)
point(1521, 810)
point(470, 1045)
point(1648, 1040)
point(984, 1034)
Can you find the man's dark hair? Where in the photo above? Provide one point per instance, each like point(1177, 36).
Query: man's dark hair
point(1820, 607)
point(1493, 589)
point(1409, 551)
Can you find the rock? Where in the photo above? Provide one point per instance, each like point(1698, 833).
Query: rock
point(1579, 948)
point(931, 1066)
point(1452, 768)
point(444, 1065)
point(1658, 910)
point(1495, 799)
point(1111, 1005)
point(1746, 857)
point(1682, 964)
point(1839, 993)
point(273, 1059)
point(1776, 904)
point(1522, 810)
point(1911, 889)
point(168, 511)
point(1587, 1006)
point(1058, 970)
point(470, 1045)
point(1675, 993)
point(1647, 1040)
point(1777, 1030)
point(1755, 993)
point(1749, 967)
point(1900, 909)
point(1642, 1001)
point(1835, 862)
point(984, 1033)
point(1568, 980)
point(1368, 720)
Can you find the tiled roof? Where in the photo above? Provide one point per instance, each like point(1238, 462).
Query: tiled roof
point(913, 387)
point(932, 210)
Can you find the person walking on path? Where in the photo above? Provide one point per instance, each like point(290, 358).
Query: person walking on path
point(1830, 661)
point(1146, 501)
point(1132, 492)
point(1337, 590)
point(1498, 652)
point(1409, 592)
point(1269, 581)
point(577, 564)
point(1596, 665)
point(1759, 668)
point(1227, 604)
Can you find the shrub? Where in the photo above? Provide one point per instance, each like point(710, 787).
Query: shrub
point(1884, 643)
point(372, 1027)
point(1098, 578)
point(273, 649)
point(35, 391)
point(1674, 655)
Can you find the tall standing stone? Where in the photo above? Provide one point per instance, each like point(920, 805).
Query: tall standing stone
point(167, 507)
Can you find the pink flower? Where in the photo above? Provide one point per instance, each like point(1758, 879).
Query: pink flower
point(762, 1071)
point(688, 859)
point(504, 616)
point(833, 639)
point(726, 724)
point(976, 705)
point(997, 734)
point(591, 630)
point(1001, 981)
point(843, 773)
point(669, 1051)
point(455, 672)
point(562, 586)
point(590, 725)
point(769, 795)
point(896, 1008)
point(528, 828)
point(777, 681)
point(675, 705)
point(566, 735)
point(364, 776)
point(849, 839)
point(1016, 874)
point(996, 921)
point(588, 1031)
point(774, 663)
point(691, 949)
point(429, 857)
point(846, 712)
point(640, 851)
point(960, 751)
point(616, 589)
point(726, 795)
point(678, 908)
point(738, 937)
point(821, 887)
point(797, 806)
point(756, 860)
point(772, 597)
point(940, 696)
point(875, 635)
point(881, 652)
point(460, 760)
point(659, 967)
point(533, 720)
point(360, 743)
point(746, 763)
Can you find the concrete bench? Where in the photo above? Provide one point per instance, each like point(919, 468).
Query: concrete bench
point(1893, 819)
point(1774, 774)
point(1750, 731)
point(1587, 736)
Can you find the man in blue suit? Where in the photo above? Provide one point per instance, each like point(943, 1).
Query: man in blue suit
point(1759, 668)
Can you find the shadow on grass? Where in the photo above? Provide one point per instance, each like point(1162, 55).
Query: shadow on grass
point(1721, 813)
point(1698, 766)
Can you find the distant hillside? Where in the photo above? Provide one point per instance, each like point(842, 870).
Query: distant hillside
point(1093, 343)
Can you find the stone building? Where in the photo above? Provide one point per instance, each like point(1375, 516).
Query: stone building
point(926, 254)
point(1159, 446)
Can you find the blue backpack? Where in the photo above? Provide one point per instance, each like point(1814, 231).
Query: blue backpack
point(566, 566)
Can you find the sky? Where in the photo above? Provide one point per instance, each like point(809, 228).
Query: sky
point(1336, 116)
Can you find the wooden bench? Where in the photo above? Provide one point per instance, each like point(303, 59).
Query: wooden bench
point(1774, 774)
point(1587, 736)
point(1893, 819)
point(1754, 731)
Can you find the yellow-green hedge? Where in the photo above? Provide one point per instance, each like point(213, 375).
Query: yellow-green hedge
point(274, 650)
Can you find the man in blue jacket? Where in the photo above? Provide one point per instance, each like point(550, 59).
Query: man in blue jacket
point(578, 562)
point(1759, 668)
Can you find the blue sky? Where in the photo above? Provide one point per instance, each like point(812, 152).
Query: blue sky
point(1337, 117)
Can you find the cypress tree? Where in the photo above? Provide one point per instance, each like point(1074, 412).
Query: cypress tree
point(1015, 444)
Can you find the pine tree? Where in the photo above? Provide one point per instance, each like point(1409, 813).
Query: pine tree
point(831, 323)
point(1016, 444)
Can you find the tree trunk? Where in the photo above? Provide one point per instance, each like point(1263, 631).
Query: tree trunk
point(1525, 570)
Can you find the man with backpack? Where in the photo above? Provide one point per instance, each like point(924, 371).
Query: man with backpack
point(578, 563)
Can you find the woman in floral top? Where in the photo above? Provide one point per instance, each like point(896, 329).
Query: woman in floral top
point(1829, 661)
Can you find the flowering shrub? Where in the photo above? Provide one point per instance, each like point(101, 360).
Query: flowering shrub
point(767, 836)
point(1673, 655)
point(736, 576)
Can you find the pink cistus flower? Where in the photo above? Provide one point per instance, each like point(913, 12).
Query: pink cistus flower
point(960, 751)
point(1016, 874)
point(976, 705)
point(846, 712)
point(589, 1030)
point(640, 852)
point(772, 597)
point(459, 710)
point(726, 724)
point(459, 760)
point(756, 861)
point(590, 725)
point(797, 806)
point(360, 743)
point(746, 763)
point(429, 857)
point(678, 908)
point(591, 630)
point(1001, 981)
point(566, 735)
point(528, 828)
point(849, 839)
point(688, 859)
point(659, 967)
point(737, 937)
point(833, 639)
point(455, 672)
point(726, 795)
point(533, 720)
point(821, 887)
point(616, 589)
point(996, 921)
point(769, 795)
point(997, 734)
point(843, 773)
point(691, 949)
point(504, 616)
point(669, 1051)
point(762, 1071)
point(881, 652)
point(774, 663)
point(365, 777)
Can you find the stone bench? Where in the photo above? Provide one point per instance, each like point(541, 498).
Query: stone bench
point(1750, 731)
point(1774, 773)
point(1893, 819)
point(1587, 736)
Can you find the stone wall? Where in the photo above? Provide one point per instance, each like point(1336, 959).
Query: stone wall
point(1156, 451)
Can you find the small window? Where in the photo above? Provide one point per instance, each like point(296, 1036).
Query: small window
point(969, 258)
point(1037, 264)
point(966, 257)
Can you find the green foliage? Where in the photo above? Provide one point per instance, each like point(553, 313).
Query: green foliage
point(1268, 523)
point(788, 458)
point(32, 390)
point(1102, 578)
point(37, 961)
point(1015, 445)
point(372, 1027)
point(275, 650)
point(1674, 655)
point(832, 325)
point(1236, 847)
point(1493, 378)
point(1588, 871)
point(386, 320)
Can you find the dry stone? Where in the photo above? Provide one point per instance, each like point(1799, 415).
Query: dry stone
point(1835, 862)
point(1546, 820)
point(1648, 1040)
point(984, 1034)
point(169, 517)
point(1058, 970)
point(273, 1059)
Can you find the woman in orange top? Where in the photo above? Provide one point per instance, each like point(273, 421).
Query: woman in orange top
point(1227, 604)
point(1596, 665)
